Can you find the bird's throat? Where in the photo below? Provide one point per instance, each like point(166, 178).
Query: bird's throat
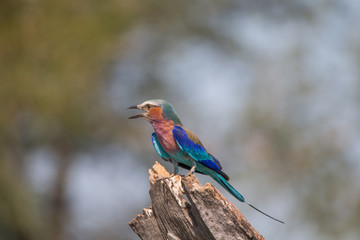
point(163, 126)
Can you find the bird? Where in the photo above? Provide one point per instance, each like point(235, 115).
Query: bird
point(180, 146)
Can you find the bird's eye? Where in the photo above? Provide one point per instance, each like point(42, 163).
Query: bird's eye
point(148, 106)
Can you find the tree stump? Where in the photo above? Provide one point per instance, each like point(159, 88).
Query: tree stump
point(184, 209)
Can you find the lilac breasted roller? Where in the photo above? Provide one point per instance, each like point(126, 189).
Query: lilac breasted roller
point(177, 144)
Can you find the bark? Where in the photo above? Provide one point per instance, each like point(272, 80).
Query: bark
point(184, 209)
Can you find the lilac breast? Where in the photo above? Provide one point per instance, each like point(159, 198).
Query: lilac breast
point(165, 136)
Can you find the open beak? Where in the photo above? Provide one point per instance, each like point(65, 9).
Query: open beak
point(133, 107)
point(137, 115)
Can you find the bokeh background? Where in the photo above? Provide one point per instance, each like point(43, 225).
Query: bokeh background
point(272, 88)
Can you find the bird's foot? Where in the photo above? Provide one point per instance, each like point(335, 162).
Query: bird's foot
point(192, 170)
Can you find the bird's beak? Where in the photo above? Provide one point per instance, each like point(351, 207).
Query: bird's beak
point(137, 115)
point(133, 107)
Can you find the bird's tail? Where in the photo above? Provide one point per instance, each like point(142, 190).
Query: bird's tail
point(221, 180)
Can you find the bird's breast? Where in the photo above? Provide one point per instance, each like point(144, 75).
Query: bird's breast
point(168, 143)
point(165, 136)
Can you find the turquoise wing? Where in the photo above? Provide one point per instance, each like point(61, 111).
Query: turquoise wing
point(159, 148)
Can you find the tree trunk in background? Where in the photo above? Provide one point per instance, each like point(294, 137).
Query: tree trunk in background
point(184, 209)
point(59, 201)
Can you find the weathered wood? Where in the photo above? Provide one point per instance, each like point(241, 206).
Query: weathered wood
point(184, 209)
point(145, 225)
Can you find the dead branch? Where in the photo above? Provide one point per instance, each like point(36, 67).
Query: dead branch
point(184, 209)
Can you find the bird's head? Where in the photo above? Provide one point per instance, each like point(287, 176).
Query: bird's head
point(156, 110)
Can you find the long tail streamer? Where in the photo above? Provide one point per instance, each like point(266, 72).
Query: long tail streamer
point(265, 213)
point(220, 179)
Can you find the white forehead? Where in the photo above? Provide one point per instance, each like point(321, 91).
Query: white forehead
point(156, 102)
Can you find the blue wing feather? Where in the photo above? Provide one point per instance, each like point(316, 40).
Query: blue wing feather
point(159, 149)
point(194, 149)
point(216, 161)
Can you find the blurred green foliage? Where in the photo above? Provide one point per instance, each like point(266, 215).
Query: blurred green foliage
point(53, 57)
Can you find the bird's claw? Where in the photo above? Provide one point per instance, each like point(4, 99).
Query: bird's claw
point(192, 170)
